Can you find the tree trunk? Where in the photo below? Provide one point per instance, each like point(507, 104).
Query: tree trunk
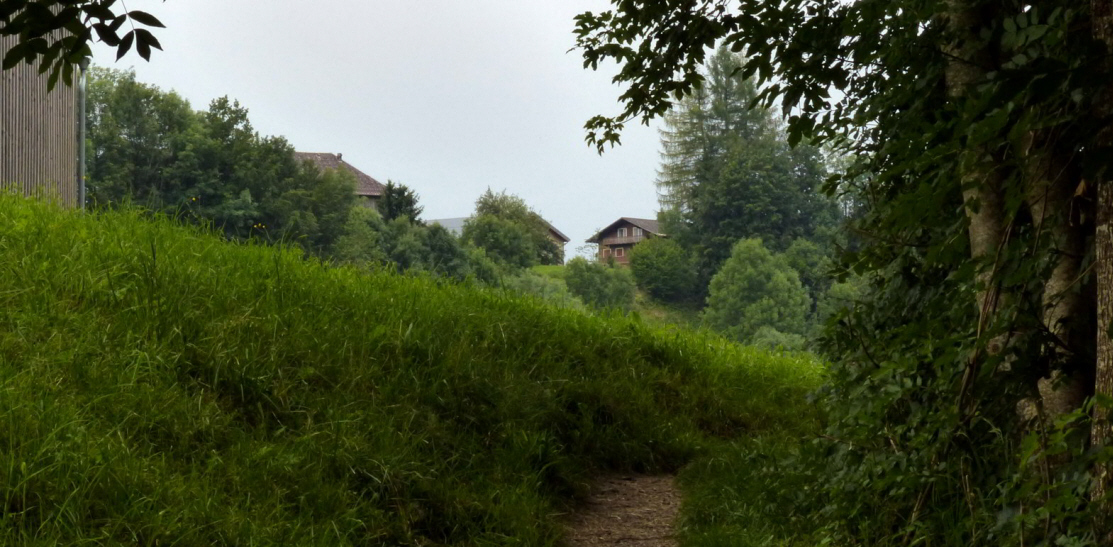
point(980, 171)
point(1102, 18)
point(1050, 199)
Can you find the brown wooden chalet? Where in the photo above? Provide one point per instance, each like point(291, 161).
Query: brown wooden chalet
point(616, 240)
point(368, 190)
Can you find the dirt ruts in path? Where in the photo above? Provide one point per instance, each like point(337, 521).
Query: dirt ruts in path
point(635, 510)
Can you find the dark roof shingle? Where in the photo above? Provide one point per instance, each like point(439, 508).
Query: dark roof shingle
point(649, 225)
point(365, 184)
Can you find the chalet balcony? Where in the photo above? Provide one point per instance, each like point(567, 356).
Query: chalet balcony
point(622, 240)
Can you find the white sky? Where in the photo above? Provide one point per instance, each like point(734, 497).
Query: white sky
point(447, 97)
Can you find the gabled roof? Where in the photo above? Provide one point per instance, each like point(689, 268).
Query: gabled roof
point(649, 225)
point(560, 235)
point(365, 185)
point(456, 226)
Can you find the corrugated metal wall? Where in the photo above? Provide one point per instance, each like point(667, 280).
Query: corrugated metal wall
point(38, 133)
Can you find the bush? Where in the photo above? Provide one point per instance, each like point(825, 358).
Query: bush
point(663, 269)
point(505, 241)
point(599, 285)
point(551, 290)
point(770, 338)
point(753, 289)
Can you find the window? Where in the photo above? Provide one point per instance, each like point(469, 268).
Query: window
point(622, 232)
point(619, 251)
point(638, 232)
point(606, 251)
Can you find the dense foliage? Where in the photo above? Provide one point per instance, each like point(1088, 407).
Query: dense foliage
point(503, 240)
point(399, 200)
point(499, 224)
point(147, 147)
point(600, 285)
point(756, 290)
point(983, 143)
point(663, 269)
point(150, 148)
point(727, 173)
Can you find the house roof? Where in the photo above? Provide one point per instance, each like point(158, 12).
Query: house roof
point(456, 226)
point(365, 184)
point(649, 225)
point(560, 235)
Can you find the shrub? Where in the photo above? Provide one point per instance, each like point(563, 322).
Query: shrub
point(753, 289)
point(505, 241)
point(598, 285)
point(663, 269)
point(551, 290)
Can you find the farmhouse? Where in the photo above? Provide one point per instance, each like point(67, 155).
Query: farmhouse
point(616, 240)
point(39, 133)
point(368, 190)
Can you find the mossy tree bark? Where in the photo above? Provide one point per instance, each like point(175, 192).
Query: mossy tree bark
point(1102, 432)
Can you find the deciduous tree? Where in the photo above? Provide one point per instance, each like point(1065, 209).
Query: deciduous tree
point(981, 130)
point(756, 289)
point(663, 269)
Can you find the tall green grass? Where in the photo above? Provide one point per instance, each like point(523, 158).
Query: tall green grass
point(159, 386)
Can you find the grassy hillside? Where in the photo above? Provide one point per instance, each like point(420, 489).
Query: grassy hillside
point(161, 386)
point(667, 315)
point(653, 312)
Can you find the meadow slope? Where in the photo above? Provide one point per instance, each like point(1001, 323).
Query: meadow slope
point(160, 386)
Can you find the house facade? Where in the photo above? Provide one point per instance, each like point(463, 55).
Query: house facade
point(616, 240)
point(39, 133)
point(368, 190)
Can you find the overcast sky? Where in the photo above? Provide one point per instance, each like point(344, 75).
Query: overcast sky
point(447, 97)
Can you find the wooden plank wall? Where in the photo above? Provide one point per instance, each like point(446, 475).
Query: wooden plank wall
point(38, 133)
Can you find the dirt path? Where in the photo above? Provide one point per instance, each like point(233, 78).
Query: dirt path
point(634, 510)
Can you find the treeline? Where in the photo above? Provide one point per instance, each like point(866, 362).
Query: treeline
point(750, 234)
point(148, 147)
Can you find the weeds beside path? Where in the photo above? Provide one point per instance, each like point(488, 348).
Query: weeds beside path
point(637, 510)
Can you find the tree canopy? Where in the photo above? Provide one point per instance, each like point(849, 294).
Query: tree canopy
point(727, 172)
point(982, 141)
point(753, 290)
point(399, 200)
point(507, 227)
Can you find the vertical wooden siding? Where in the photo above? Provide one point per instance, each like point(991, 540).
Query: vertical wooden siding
point(38, 133)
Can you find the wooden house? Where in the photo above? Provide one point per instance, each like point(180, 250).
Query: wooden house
point(40, 141)
point(368, 190)
point(616, 241)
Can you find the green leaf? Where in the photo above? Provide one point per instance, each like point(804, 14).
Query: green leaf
point(145, 18)
point(98, 11)
point(13, 57)
point(107, 35)
point(144, 39)
point(125, 45)
point(53, 81)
